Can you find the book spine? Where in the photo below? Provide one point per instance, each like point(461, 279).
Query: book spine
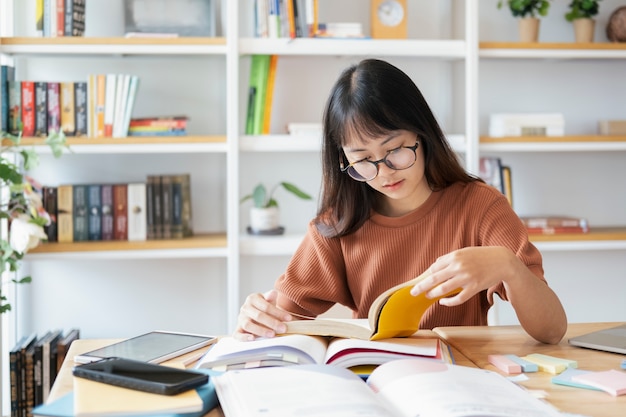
point(14, 380)
point(60, 16)
point(269, 95)
point(15, 107)
point(137, 211)
point(42, 12)
point(186, 212)
point(68, 109)
point(80, 113)
point(81, 219)
point(29, 373)
point(41, 108)
point(177, 207)
point(166, 193)
point(130, 103)
point(65, 208)
point(121, 87)
point(556, 230)
point(109, 104)
point(39, 17)
point(120, 211)
point(159, 123)
point(94, 200)
point(28, 108)
point(78, 18)
point(150, 196)
point(38, 375)
point(7, 74)
point(100, 105)
point(54, 107)
point(107, 212)
point(50, 205)
point(67, 20)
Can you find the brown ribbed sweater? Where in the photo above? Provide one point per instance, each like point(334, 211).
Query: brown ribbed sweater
point(385, 251)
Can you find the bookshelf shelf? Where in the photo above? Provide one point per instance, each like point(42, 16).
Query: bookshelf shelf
point(280, 143)
point(452, 49)
point(552, 50)
point(112, 46)
point(143, 144)
point(202, 245)
point(553, 143)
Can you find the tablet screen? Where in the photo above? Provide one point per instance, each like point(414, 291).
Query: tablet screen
point(154, 347)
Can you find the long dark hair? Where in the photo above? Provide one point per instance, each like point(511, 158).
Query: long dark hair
point(371, 99)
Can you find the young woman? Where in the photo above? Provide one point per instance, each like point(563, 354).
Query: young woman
point(395, 203)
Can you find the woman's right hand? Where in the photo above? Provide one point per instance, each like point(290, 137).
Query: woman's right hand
point(260, 317)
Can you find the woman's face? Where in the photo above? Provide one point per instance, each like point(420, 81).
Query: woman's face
point(403, 190)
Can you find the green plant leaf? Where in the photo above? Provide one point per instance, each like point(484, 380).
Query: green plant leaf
point(295, 190)
point(259, 196)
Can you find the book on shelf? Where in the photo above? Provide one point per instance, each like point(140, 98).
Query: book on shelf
point(80, 212)
point(269, 95)
point(18, 377)
point(74, 19)
point(556, 230)
point(394, 313)
point(612, 127)
point(65, 213)
point(163, 122)
point(80, 108)
point(404, 387)
point(136, 202)
point(60, 17)
point(359, 355)
point(490, 170)
point(49, 361)
point(526, 124)
point(39, 7)
point(54, 107)
point(14, 89)
point(181, 206)
point(554, 221)
point(151, 195)
point(107, 224)
point(41, 108)
point(49, 201)
point(63, 346)
point(94, 215)
point(129, 103)
point(507, 183)
point(68, 109)
point(109, 103)
point(7, 73)
point(28, 108)
point(120, 211)
point(166, 206)
point(259, 70)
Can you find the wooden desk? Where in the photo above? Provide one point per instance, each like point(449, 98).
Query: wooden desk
point(64, 380)
point(477, 342)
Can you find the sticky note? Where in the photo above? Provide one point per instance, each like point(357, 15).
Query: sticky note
point(504, 364)
point(611, 381)
point(550, 364)
point(566, 378)
point(526, 365)
point(623, 363)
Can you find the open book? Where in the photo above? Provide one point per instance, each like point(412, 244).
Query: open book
point(394, 313)
point(229, 353)
point(406, 387)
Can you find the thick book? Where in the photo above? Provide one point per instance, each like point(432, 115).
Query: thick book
point(41, 108)
point(14, 89)
point(65, 213)
point(28, 108)
point(154, 212)
point(405, 387)
point(394, 313)
point(54, 107)
point(49, 361)
point(167, 206)
point(68, 108)
point(81, 212)
point(259, 71)
point(295, 349)
point(49, 200)
point(136, 200)
point(17, 373)
point(107, 211)
point(80, 109)
point(94, 215)
point(7, 73)
point(63, 346)
point(120, 212)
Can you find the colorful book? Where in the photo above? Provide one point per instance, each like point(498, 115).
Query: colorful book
point(68, 108)
point(269, 96)
point(175, 122)
point(15, 107)
point(137, 228)
point(80, 108)
point(28, 108)
point(107, 225)
point(81, 212)
point(41, 108)
point(54, 107)
point(65, 213)
point(7, 73)
point(100, 102)
point(120, 212)
point(94, 216)
point(259, 71)
point(49, 197)
point(39, 17)
point(60, 17)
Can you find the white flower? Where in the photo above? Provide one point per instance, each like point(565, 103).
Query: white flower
point(25, 235)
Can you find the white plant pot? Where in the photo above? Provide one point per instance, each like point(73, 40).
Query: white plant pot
point(264, 219)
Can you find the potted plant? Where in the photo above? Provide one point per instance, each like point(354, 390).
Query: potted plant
point(264, 215)
point(528, 12)
point(581, 14)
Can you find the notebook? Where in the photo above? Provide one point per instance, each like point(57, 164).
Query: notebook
point(610, 340)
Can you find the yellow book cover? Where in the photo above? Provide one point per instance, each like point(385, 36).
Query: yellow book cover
point(100, 103)
point(65, 216)
point(394, 313)
point(269, 95)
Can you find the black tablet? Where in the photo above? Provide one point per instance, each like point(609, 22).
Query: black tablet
point(154, 347)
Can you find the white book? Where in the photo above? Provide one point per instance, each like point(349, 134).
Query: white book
point(526, 124)
point(137, 225)
point(130, 103)
point(109, 104)
point(121, 101)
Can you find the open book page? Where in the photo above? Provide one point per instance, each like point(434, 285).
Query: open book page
point(347, 328)
point(347, 353)
point(307, 390)
point(432, 389)
point(230, 353)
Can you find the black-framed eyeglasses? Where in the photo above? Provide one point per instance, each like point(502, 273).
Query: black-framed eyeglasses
point(398, 159)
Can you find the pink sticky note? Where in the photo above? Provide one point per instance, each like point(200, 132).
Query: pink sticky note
point(504, 364)
point(611, 381)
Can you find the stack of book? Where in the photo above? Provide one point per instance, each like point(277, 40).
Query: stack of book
point(159, 208)
point(34, 363)
point(549, 225)
point(285, 18)
point(158, 126)
point(260, 94)
point(60, 17)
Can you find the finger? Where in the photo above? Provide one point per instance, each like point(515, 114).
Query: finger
point(429, 282)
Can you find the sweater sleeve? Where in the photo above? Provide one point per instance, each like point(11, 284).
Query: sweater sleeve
point(501, 226)
point(315, 278)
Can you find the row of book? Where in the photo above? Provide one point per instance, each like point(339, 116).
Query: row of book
point(260, 94)
point(60, 17)
point(159, 208)
point(158, 126)
point(99, 107)
point(34, 363)
point(286, 18)
point(498, 175)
